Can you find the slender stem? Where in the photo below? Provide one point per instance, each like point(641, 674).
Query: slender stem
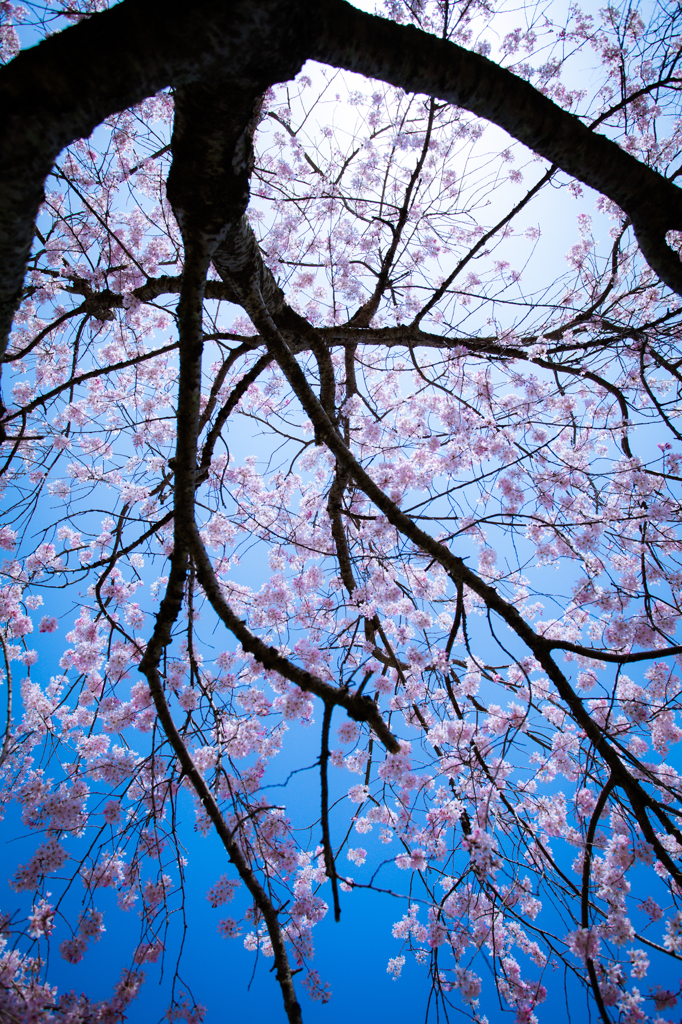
point(585, 893)
point(324, 795)
point(8, 720)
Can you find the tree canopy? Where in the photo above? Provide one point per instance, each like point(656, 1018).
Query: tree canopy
point(342, 413)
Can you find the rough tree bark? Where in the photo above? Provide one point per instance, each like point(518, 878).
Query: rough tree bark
point(63, 88)
point(220, 58)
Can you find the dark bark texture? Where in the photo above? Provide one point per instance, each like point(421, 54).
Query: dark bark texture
point(62, 89)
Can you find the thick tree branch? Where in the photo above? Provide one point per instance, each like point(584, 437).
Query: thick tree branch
point(417, 62)
point(62, 89)
point(357, 706)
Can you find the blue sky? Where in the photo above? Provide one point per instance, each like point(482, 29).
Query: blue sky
point(353, 954)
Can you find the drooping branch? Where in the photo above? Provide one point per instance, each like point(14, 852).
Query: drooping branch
point(459, 572)
point(204, 225)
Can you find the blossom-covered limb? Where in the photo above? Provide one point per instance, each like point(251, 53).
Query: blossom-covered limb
point(357, 706)
point(455, 566)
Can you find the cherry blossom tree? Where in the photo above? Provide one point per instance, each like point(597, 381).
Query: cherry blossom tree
point(342, 399)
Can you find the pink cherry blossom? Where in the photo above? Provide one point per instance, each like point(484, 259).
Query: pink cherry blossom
point(344, 468)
